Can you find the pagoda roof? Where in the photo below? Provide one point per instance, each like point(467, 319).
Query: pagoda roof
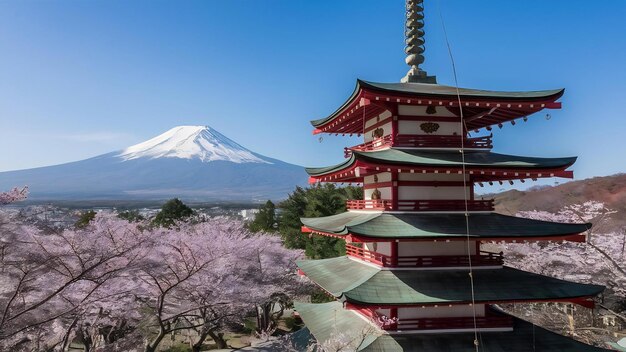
point(440, 160)
point(412, 225)
point(447, 95)
point(328, 320)
point(359, 283)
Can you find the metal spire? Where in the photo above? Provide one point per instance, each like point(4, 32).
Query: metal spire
point(414, 33)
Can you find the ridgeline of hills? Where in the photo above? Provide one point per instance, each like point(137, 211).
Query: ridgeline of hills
point(610, 190)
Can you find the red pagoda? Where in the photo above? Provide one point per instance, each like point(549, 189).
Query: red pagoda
point(415, 277)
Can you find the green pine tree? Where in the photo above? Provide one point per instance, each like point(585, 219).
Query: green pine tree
point(84, 219)
point(172, 211)
point(315, 201)
point(265, 219)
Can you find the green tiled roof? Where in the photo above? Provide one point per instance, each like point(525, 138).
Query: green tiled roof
point(473, 159)
point(356, 282)
point(329, 320)
point(438, 90)
point(442, 225)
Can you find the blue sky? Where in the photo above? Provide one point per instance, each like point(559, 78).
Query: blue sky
point(82, 78)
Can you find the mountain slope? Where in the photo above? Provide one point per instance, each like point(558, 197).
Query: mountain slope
point(191, 142)
point(194, 162)
point(610, 190)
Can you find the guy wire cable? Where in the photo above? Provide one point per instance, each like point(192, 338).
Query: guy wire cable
point(462, 151)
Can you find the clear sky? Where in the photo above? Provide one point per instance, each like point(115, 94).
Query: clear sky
point(82, 78)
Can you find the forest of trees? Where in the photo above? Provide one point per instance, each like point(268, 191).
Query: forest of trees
point(315, 201)
point(113, 284)
point(118, 281)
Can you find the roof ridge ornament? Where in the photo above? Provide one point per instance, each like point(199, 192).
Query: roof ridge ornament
point(414, 33)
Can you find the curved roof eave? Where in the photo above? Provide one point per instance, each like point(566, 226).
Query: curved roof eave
point(314, 171)
point(437, 90)
point(428, 89)
point(358, 283)
point(378, 225)
point(415, 157)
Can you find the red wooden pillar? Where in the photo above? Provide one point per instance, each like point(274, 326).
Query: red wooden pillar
point(393, 109)
point(394, 253)
point(394, 190)
point(394, 128)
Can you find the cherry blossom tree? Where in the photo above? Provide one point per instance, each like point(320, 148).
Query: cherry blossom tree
point(600, 260)
point(201, 275)
point(45, 279)
point(14, 195)
point(113, 280)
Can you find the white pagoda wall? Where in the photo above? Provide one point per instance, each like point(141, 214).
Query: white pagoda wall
point(432, 192)
point(412, 249)
point(420, 192)
point(386, 127)
point(413, 127)
point(445, 128)
point(385, 192)
point(420, 110)
point(379, 247)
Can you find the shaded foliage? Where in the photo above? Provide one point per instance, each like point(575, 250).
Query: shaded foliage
point(172, 211)
point(265, 219)
point(315, 201)
point(131, 216)
point(84, 219)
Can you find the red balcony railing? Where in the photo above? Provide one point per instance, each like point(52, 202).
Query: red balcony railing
point(375, 144)
point(488, 321)
point(446, 205)
point(441, 261)
point(422, 205)
point(368, 204)
point(422, 141)
point(430, 141)
point(482, 259)
point(368, 256)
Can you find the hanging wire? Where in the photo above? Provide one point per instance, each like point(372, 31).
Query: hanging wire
point(532, 320)
point(462, 151)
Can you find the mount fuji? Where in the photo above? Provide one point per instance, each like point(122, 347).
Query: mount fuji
point(194, 162)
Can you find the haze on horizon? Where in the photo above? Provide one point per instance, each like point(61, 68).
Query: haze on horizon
point(79, 79)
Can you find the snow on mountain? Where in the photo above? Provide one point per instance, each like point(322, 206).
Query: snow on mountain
point(191, 142)
point(191, 162)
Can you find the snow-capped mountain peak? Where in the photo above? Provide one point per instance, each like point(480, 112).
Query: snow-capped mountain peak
point(191, 142)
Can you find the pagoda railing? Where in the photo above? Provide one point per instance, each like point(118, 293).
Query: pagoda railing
point(488, 321)
point(374, 144)
point(440, 261)
point(421, 141)
point(482, 259)
point(437, 141)
point(369, 204)
point(368, 256)
point(422, 205)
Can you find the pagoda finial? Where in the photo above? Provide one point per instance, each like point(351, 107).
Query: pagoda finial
point(414, 33)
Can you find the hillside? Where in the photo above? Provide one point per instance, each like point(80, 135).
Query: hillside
point(610, 190)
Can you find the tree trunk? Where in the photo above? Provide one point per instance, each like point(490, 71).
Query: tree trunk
point(202, 335)
point(152, 345)
point(218, 338)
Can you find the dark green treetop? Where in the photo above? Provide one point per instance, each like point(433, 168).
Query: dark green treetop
point(265, 219)
point(315, 201)
point(173, 210)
